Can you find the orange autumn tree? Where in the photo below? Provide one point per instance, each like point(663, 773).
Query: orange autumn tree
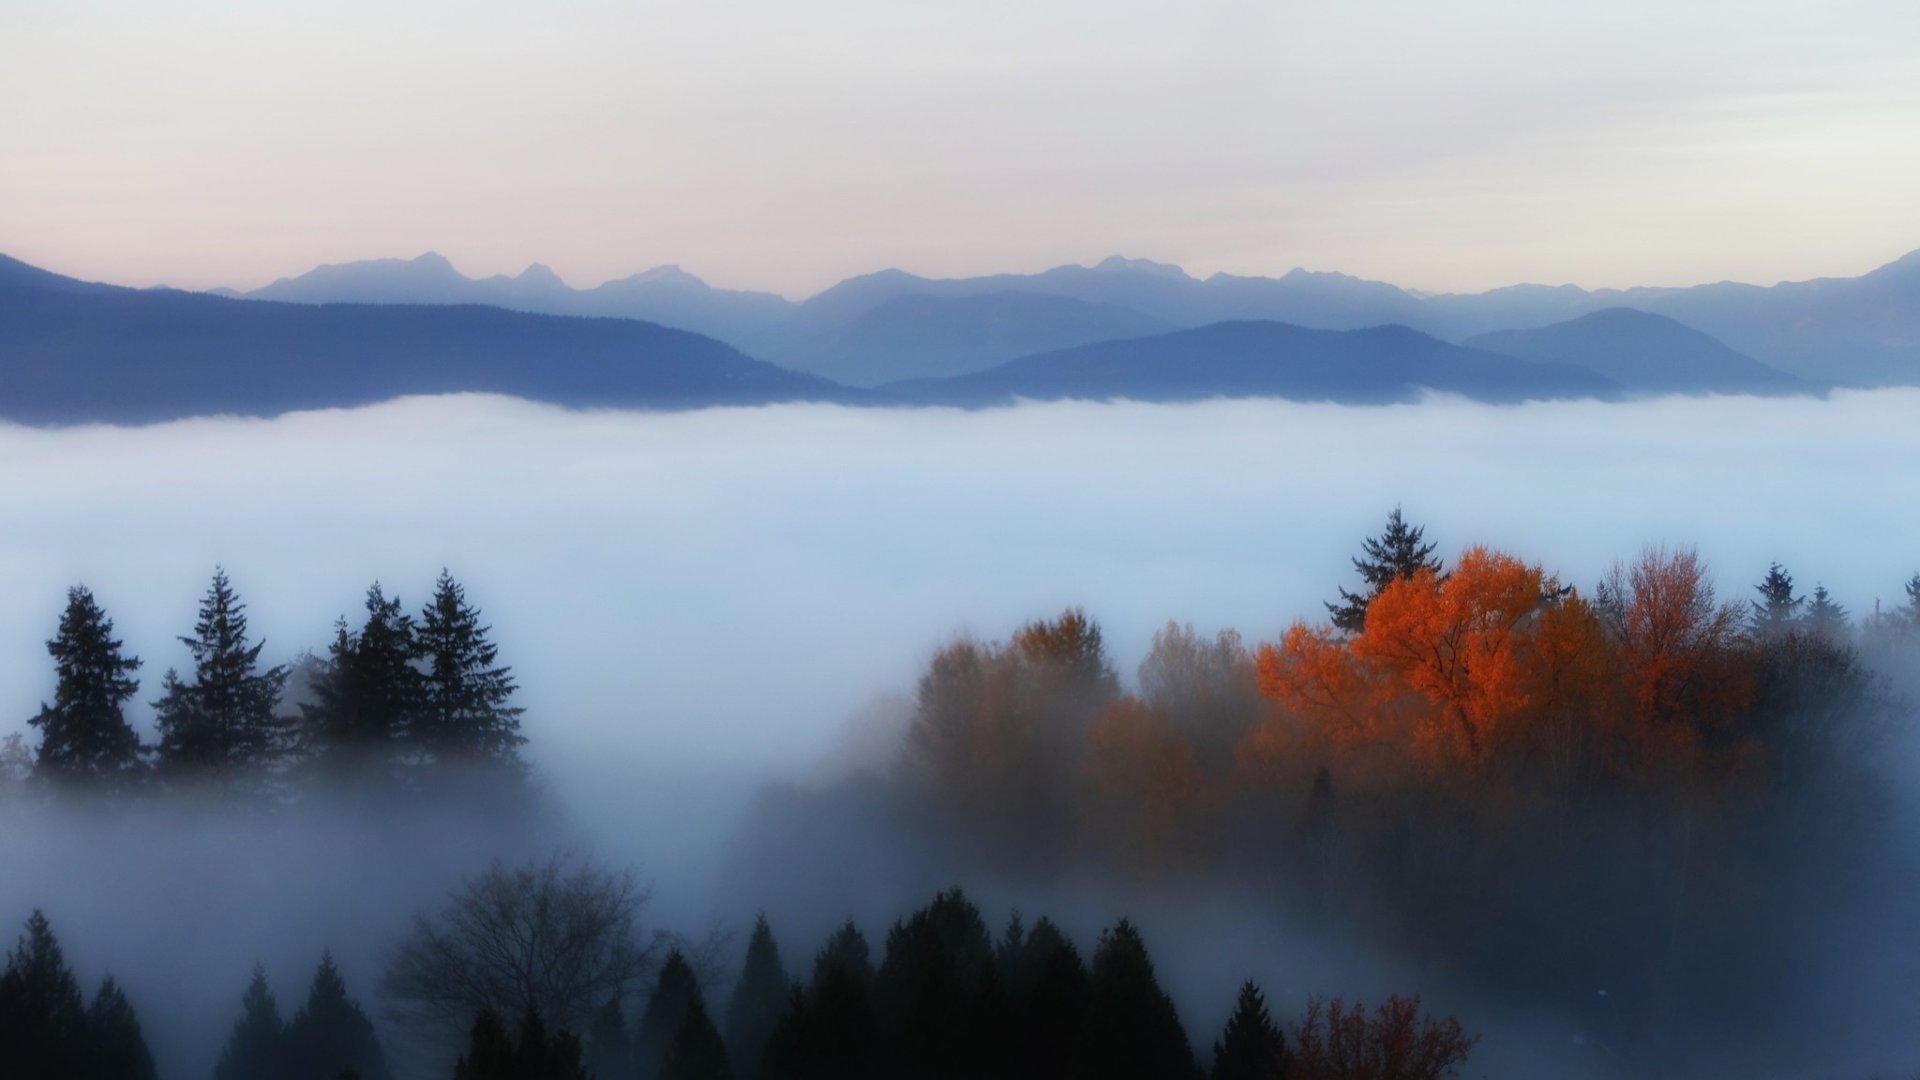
point(1453, 660)
point(1142, 791)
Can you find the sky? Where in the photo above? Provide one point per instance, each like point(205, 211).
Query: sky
point(764, 144)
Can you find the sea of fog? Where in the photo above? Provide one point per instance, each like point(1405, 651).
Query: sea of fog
point(696, 602)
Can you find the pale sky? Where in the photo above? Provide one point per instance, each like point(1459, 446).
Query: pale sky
point(784, 144)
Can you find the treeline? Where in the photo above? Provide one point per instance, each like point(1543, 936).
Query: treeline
point(395, 702)
point(945, 1000)
point(1540, 789)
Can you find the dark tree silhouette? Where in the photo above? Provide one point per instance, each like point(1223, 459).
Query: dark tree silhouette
point(827, 1031)
point(697, 1052)
point(223, 722)
point(926, 991)
point(674, 992)
point(546, 1055)
point(464, 714)
point(256, 1049)
point(84, 734)
point(557, 935)
point(1046, 986)
point(1778, 609)
point(609, 1046)
point(331, 1034)
point(367, 691)
point(1251, 1047)
point(1398, 552)
point(1132, 1028)
point(490, 1052)
point(44, 1033)
point(758, 1000)
point(116, 1050)
point(1824, 616)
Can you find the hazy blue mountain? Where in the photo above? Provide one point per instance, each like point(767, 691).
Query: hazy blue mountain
point(1266, 359)
point(667, 295)
point(1644, 353)
point(71, 352)
point(922, 336)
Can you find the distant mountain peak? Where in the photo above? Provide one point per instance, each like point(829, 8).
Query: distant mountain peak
point(670, 274)
point(432, 260)
point(540, 274)
point(1120, 264)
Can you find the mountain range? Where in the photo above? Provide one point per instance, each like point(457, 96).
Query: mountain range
point(893, 325)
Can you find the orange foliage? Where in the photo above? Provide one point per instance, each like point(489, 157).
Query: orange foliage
point(1461, 644)
point(1144, 784)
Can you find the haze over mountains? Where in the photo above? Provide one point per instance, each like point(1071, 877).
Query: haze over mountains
point(74, 352)
point(1861, 331)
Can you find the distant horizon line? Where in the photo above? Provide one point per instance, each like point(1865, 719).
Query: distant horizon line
point(540, 267)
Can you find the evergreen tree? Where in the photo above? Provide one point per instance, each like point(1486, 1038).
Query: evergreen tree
point(926, 991)
point(1047, 988)
point(367, 692)
point(1132, 1029)
point(224, 721)
point(1251, 1048)
point(330, 1034)
point(1398, 552)
point(673, 993)
point(827, 1031)
point(490, 1052)
point(84, 734)
point(609, 1047)
point(464, 712)
point(116, 1049)
point(1824, 616)
point(1777, 609)
point(545, 1055)
point(1913, 600)
point(43, 1019)
point(697, 1053)
point(758, 999)
point(256, 1049)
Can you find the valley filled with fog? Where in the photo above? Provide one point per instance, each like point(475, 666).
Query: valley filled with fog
point(698, 603)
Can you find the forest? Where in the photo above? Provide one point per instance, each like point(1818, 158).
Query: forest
point(1532, 789)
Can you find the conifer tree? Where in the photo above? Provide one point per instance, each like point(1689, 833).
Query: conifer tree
point(546, 1055)
point(464, 712)
point(490, 1052)
point(116, 1050)
point(925, 993)
point(1047, 987)
point(44, 1033)
point(1777, 609)
point(1398, 552)
point(1824, 616)
point(84, 734)
point(697, 1052)
point(1913, 601)
point(609, 1047)
point(256, 1048)
point(827, 1030)
point(1132, 1028)
point(224, 721)
point(758, 999)
point(1251, 1047)
point(673, 992)
point(368, 691)
point(331, 1034)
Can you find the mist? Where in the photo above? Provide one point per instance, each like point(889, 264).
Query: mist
point(635, 565)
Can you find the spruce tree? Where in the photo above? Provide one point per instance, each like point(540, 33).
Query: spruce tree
point(1777, 609)
point(1398, 552)
point(84, 734)
point(758, 999)
point(222, 723)
point(256, 1048)
point(828, 1031)
point(1132, 1029)
point(1251, 1047)
point(925, 993)
point(1047, 986)
point(490, 1052)
point(464, 714)
point(43, 1019)
point(546, 1055)
point(1824, 616)
point(367, 692)
point(673, 992)
point(116, 1050)
point(1913, 601)
point(697, 1052)
point(331, 1034)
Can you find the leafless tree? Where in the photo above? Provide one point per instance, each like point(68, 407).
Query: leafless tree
point(558, 934)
